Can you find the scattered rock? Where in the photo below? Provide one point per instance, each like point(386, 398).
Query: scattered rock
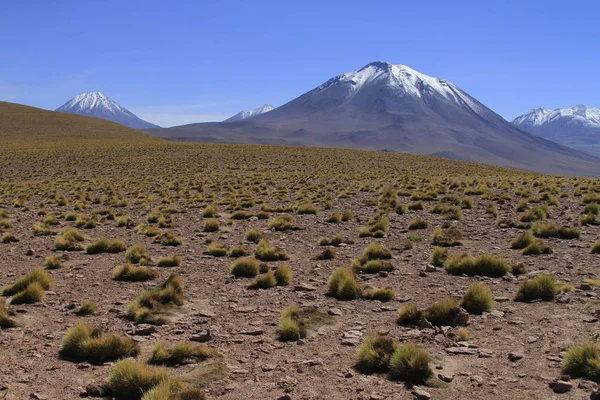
point(420, 393)
point(515, 356)
point(142, 330)
point(446, 377)
point(37, 396)
point(460, 316)
point(252, 332)
point(560, 386)
point(93, 390)
point(334, 311)
point(202, 336)
point(461, 350)
point(304, 287)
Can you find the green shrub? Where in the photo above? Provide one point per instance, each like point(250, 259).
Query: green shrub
point(170, 389)
point(155, 300)
point(211, 225)
point(347, 215)
point(417, 223)
point(168, 262)
point(130, 272)
point(537, 213)
point(168, 239)
point(238, 251)
point(129, 379)
point(265, 252)
point(484, 265)
point(87, 307)
point(210, 212)
point(264, 281)
point(137, 254)
point(6, 320)
point(519, 269)
point(33, 293)
point(441, 313)
point(253, 236)
point(290, 327)
point(375, 251)
point(409, 314)
point(283, 222)
point(462, 335)
point(246, 267)
point(125, 221)
point(524, 240)
point(417, 206)
point(477, 299)
point(537, 247)
point(283, 275)
point(216, 250)
point(67, 240)
point(100, 246)
point(439, 256)
point(546, 230)
point(410, 363)
point(37, 275)
point(86, 343)
point(588, 219)
point(335, 218)
point(180, 353)
point(8, 237)
point(583, 361)
point(382, 294)
point(327, 254)
point(306, 208)
point(375, 352)
point(448, 237)
point(342, 284)
point(542, 287)
point(596, 248)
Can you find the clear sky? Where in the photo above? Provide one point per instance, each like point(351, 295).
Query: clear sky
point(175, 62)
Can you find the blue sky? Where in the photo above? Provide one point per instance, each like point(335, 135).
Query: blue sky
point(179, 62)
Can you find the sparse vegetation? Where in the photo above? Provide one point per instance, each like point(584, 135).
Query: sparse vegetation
point(130, 272)
point(342, 284)
point(266, 252)
point(484, 265)
point(477, 299)
point(541, 287)
point(147, 307)
point(87, 343)
point(180, 353)
point(245, 267)
point(169, 262)
point(410, 362)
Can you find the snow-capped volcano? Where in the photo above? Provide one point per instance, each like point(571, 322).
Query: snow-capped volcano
point(245, 114)
point(96, 104)
point(577, 126)
point(393, 107)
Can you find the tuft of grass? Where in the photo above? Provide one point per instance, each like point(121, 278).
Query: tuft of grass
point(547, 230)
point(211, 225)
point(342, 284)
point(67, 240)
point(290, 327)
point(8, 237)
point(417, 223)
point(52, 262)
point(381, 294)
point(33, 293)
point(409, 314)
point(266, 252)
point(37, 275)
point(595, 248)
point(210, 212)
point(448, 237)
point(541, 287)
point(477, 299)
point(327, 254)
point(410, 363)
point(253, 235)
point(439, 256)
point(168, 239)
point(129, 379)
point(372, 259)
point(283, 222)
point(264, 281)
point(216, 250)
point(155, 300)
point(441, 313)
point(125, 221)
point(519, 269)
point(246, 267)
point(335, 218)
point(169, 262)
point(537, 247)
point(306, 208)
point(524, 240)
point(583, 361)
point(238, 251)
point(132, 273)
point(181, 353)
point(537, 213)
point(87, 307)
point(170, 389)
point(375, 352)
point(6, 320)
point(84, 342)
point(283, 275)
point(462, 335)
point(105, 246)
point(484, 265)
point(347, 215)
point(137, 254)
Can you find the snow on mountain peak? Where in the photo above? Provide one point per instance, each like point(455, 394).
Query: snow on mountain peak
point(245, 114)
point(579, 114)
point(99, 105)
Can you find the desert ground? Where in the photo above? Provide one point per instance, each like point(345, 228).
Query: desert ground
point(62, 190)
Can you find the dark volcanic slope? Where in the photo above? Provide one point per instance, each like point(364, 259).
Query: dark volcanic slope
point(393, 107)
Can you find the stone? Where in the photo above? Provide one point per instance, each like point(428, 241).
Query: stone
point(37, 396)
point(142, 330)
point(93, 390)
point(30, 252)
point(446, 377)
point(460, 316)
point(595, 395)
point(476, 379)
point(304, 287)
point(420, 393)
point(585, 286)
point(430, 268)
point(334, 311)
point(461, 350)
point(424, 324)
point(560, 386)
point(202, 336)
point(252, 332)
point(515, 356)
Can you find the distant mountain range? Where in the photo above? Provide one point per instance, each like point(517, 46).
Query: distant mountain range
point(392, 107)
point(577, 127)
point(245, 114)
point(96, 104)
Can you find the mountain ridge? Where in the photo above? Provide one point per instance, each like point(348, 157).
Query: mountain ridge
point(245, 114)
point(97, 104)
